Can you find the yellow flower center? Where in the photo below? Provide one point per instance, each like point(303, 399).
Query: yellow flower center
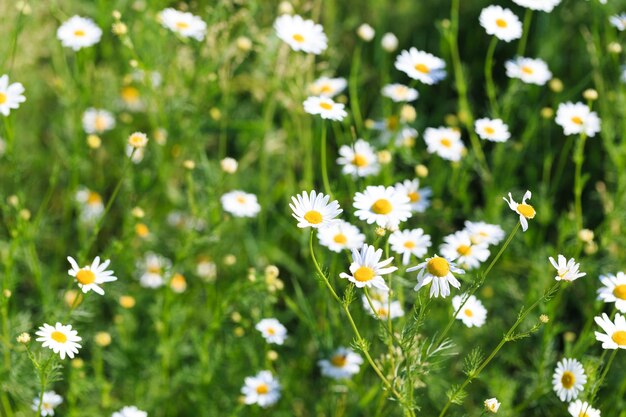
point(464, 250)
point(620, 291)
point(527, 70)
point(85, 276)
point(490, 130)
point(382, 312)
point(468, 312)
point(271, 331)
point(438, 267)
point(583, 414)
point(340, 238)
point(526, 210)
point(154, 269)
point(142, 230)
point(3, 98)
point(382, 206)
point(501, 23)
point(79, 32)
point(58, 337)
point(326, 106)
point(422, 68)
point(182, 25)
point(359, 160)
point(130, 94)
point(313, 217)
point(100, 123)
point(577, 120)
point(339, 361)
point(409, 244)
point(364, 274)
point(392, 123)
point(94, 198)
point(568, 379)
point(241, 199)
point(414, 196)
point(619, 337)
point(446, 142)
point(298, 38)
point(262, 389)
point(325, 89)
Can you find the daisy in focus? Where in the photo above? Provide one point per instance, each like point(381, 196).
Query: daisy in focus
point(419, 198)
point(97, 121)
point(567, 270)
point(382, 205)
point(301, 35)
point(240, 204)
point(525, 211)
point(582, 409)
point(130, 411)
point(481, 232)
point(313, 209)
point(51, 400)
point(184, 24)
point(421, 66)
point(409, 242)
point(614, 336)
point(79, 32)
point(439, 271)
point(613, 290)
point(11, 95)
point(60, 338)
point(90, 205)
point(473, 313)
point(500, 22)
point(400, 93)
point(577, 118)
point(327, 87)
point(493, 130)
point(90, 276)
point(153, 269)
point(262, 389)
point(325, 107)
point(528, 70)
point(358, 160)
point(340, 235)
point(272, 331)
point(445, 142)
point(459, 246)
point(343, 364)
point(366, 269)
point(569, 379)
point(541, 5)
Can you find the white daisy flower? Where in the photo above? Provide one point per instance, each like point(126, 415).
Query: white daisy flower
point(301, 35)
point(79, 32)
point(400, 93)
point(541, 5)
point(494, 130)
point(91, 206)
point(240, 204)
point(358, 160)
point(382, 205)
point(421, 66)
point(313, 209)
point(262, 389)
point(419, 198)
point(366, 32)
point(614, 335)
point(130, 411)
point(481, 232)
point(569, 379)
point(60, 338)
point(325, 107)
point(445, 142)
point(340, 235)
point(327, 87)
point(51, 400)
point(567, 270)
point(530, 71)
point(502, 23)
point(525, 211)
point(492, 405)
point(97, 121)
point(613, 290)
point(459, 246)
point(389, 42)
point(383, 310)
point(618, 21)
point(11, 95)
point(582, 409)
point(439, 271)
point(473, 314)
point(153, 269)
point(90, 276)
point(577, 118)
point(343, 364)
point(409, 242)
point(272, 331)
point(366, 269)
point(184, 24)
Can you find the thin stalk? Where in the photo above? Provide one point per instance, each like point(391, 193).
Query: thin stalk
point(521, 47)
point(491, 88)
point(579, 158)
point(598, 384)
point(354, 89)
point(324, 167)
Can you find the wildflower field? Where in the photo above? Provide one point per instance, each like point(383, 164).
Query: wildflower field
point(314, 208)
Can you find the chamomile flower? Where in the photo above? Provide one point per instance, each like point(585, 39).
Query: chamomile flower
point(60, 338)
point(459, 246)
point(409, 242)
point(97, 121)
point(419, 198)
point(262, 389)
point(568, 379)
point(577, 118)
point(79, 32)
point(525, 211)
point(445, 142)
point(400, 93)
point(618, 21)
point(90, 205)
point(130, 411)
point(579, 408)
point(301, 35)
point(500, 22)
point(530, 71)
point(473, 313)
point(313, 209)
point(481, 232)
point(152, 270)
point(366, 269)
point(613, 290)
point(421, 66)
point(439, 271)
point(327, 87)
point(90, 276)
point(567, 270)
point(240, 204)
point(541, 5)
point(358, 160)
point(272, 331)
point(343, 364)
point(11, 95)
point(383, 310)
point(384, 206)
point(325, 107)
point(340, 235)
point(493, 130)
point(492, 405)
point(184, 24)
point(614, 335)
point(51, 400)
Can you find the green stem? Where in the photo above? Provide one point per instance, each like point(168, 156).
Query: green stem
point(354, 89)
point(491, 88)
point(324, 167)
point(598, 384)
point(521, 47)
point(579, 158)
